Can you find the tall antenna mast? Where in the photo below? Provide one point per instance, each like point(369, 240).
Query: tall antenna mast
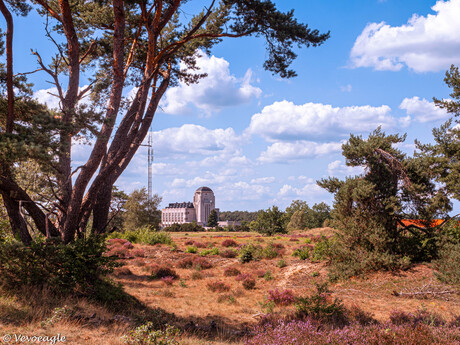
point(150, 164)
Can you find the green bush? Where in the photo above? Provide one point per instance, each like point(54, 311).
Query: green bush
point(143, 235)
point(191, 249)
point(448, 264)
point(269, 252)
point(206, 252)
point(77, 266)
point(321, 249)
point(147, 335)
point(249, 252)
point(320, 306)
point(303, 252)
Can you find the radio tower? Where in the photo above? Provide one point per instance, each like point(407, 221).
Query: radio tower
point(150, 163)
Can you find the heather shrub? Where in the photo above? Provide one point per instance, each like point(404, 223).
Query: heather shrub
point(228, 253)
point(199, 244)
point(281, 297)
point(77, 266)
point(194, 262)
point(168, 280)
point(147, 335)
point(249, 283)
point(217, 286)
point(189, 242)
point(259, 273)
point(243, 276)
point(421, 316)
point(310, 332)
point(138, 262)
point(226, 298)
point(231, 272)
point(196, 275)
point(229, 243)
point(158, 272)
point(123, 271)
point(138, 253)
point(320, 306)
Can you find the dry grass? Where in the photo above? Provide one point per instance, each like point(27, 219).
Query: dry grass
point(217, 318)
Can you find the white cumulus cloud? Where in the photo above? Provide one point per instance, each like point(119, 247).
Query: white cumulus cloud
point(422, 110)
point(424, 44)
point(337, 168)
point(287, 121)
point(218, 90)
point(290, 151)
point(195, 139)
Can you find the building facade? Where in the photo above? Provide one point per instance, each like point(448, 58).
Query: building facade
point(204, 202)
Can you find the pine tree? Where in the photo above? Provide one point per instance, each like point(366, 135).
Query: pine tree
point(146, 46)
point(212, 219)
point(369, 208)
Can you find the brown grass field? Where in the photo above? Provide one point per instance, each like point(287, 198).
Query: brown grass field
point(219, 317)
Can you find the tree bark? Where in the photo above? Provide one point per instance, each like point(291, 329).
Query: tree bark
point(17, 222)
point(9, 66)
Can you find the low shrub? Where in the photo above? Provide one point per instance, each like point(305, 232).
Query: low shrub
point(249, 252)
point(269, 252)
point(447, 266)
point(138, 262)
point(228, 253)
point(231, 272)
point(249, 283)
point(199, 244)
point(281, 263)
point(303, 252)
point(217, 286)
point(123, 271)
point(321, 307)
point(229, 243)
point(168, 281)
point(281, 297)
point(259, 273)
point(321, 249)
point(206, 252)
point(311, 332)
point(243, 276)
point(138, 253)
point(191, 249)
point(159, 272)
point(197, 263)
point(421, 316)
point(196, 275)
point(268, 276)
point(77, 266)
point(147, 335)
point(143, 235)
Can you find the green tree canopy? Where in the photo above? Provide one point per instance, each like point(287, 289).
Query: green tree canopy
point(117, 45)
point(369, 208)
point(269, 222)
point(213, 219)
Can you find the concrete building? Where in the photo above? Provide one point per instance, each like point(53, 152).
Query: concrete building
point(178, 212)
point(204, 202)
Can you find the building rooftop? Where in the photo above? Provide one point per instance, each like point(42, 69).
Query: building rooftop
point(204, 189)
point(180, 205)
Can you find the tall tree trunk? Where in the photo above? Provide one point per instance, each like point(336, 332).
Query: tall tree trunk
point(101, 209)
point(17, 221)
point(9, 66)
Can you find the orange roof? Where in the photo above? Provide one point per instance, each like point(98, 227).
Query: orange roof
point(421, 223)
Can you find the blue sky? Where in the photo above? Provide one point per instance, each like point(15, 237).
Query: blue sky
point(257, 140)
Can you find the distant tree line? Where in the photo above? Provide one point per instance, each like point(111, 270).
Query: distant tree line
point(238, 216)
